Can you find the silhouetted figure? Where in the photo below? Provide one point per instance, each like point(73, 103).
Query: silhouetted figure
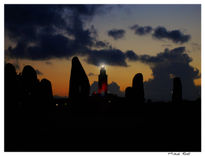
point(102, 81)
point(177, 90)
point(79, 83)
point(138, 87)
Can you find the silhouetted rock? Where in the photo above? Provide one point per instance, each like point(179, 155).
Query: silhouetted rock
point(11, 98)
point(10, 72)
point(10, 81)
point(102, 81)
point(11, 89)
point(138, 87)
point(79, 83)
point(46, 104)
point(46, 93)
point(29, 77)
point(128, 92)
point(30, 89)
point(177, 90)
point(75, 124)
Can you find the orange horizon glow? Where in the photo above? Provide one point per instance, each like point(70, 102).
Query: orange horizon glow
point(59, 73)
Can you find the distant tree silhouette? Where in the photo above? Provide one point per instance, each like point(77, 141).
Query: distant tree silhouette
point(177, 90)
point(79, 83)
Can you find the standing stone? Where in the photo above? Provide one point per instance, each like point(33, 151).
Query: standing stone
point(138, 87)
point(128, 92)
point(79, 83)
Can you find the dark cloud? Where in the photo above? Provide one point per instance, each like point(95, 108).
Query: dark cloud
point(25, 22)
point(56, 31)
point(38, 72)
point(143, 58)
point(131, 55)
point(116, 33)
point(47, 47)
point(101, 44)
point(141, 30)
point(108, 56)
point(113, 88)
point(47, 31)
point(161, 33)
point(175, 35)
point(167, 65)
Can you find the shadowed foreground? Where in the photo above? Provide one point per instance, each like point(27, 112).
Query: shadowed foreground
point(34, 121)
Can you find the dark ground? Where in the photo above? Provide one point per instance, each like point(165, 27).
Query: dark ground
point(105, 124)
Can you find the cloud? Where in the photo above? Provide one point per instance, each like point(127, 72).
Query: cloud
point(38, 72)
point(58, 32)
point(131, 55)
point(113, 88)
point(175, 35)
point(116, 33)
point(48, 31)
point(141, 30)
point(113, 57)
point(102, 44)
point(161, 33)
point(164, 66)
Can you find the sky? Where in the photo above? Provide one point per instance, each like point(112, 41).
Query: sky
point(159, 41)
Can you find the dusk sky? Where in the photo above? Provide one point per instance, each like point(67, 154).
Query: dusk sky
point(159, 41)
